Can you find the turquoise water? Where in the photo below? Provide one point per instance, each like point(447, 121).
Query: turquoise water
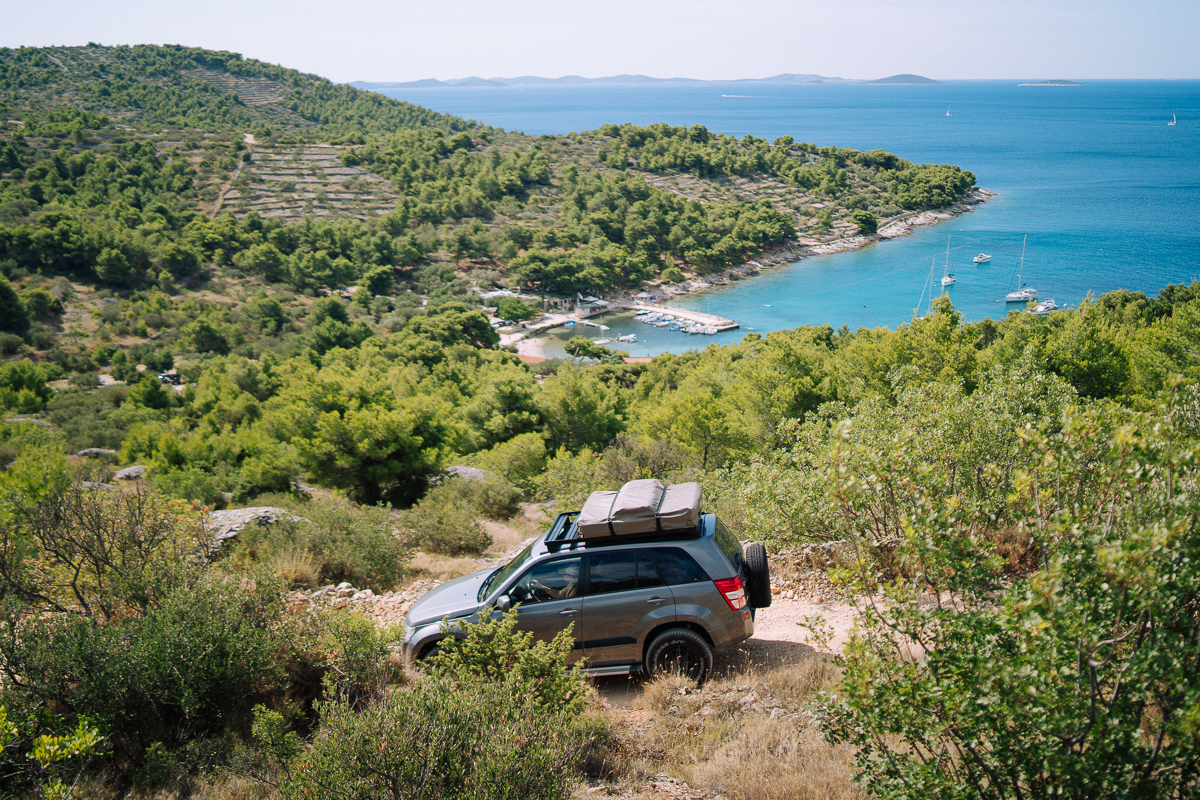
point(1107, 192)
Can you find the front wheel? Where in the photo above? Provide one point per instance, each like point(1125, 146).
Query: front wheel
point(680, 651)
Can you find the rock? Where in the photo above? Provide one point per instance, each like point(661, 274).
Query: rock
point(776, 713)
point(748, 699)
point(95, 452)
point(365, 594)
point(40, 422)
point(344, 585)
point(98, 487)
point(346, 592)
point(340, 602)
point(467, 473)
point(135, 473)
point(303, 488)
point(775, 590)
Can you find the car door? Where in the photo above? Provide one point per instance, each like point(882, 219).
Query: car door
point(626, 598)
point(548, 598)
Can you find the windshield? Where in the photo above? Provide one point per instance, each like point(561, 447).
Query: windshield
point(501, 576)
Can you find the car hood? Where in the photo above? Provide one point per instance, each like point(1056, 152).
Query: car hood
point(456, 598)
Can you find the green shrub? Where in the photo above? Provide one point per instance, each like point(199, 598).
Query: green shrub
point(672, 275)
point(189, 483)
point(520, 460)
point(346, 541)
point(494, 650)
point(446, 521)
point(435, 740)
point(189, 665)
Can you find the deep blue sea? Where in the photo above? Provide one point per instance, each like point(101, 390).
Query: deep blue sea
point(1107, 192)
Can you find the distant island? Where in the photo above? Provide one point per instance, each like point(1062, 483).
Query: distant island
point(1053, 83)
point(905, 80)
point(475, 82)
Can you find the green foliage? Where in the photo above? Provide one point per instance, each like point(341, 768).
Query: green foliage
point(43, 763)
point(671, 275)
point(13, 316)
point(493, 650)
point(446, 520)
point(1075, 682)
point(580, 411)
point(150, 393)
point(519, 460)
point(513, 309)
point(866, 221)
point(341, 540)
point(23, 387)
point(436, 739)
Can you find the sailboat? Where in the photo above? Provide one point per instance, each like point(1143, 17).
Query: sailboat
point(1021, 295)
point(1172, 122)
point(947, 278)
point(947, 111)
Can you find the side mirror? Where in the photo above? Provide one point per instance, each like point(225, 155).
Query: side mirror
point(503, 603)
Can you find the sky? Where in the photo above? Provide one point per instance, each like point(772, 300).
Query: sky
point(401, 40)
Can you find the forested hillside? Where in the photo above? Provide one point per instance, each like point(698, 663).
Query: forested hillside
point(1019, 489)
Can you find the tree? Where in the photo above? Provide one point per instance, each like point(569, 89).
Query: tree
point(377, 453)
point(866, 221)
point(580, 411)
point(180, 260)
point(23, 387)
point(113, 267)
point(150, 393)
point(672, 275)
point(513, 309)
point(1080, 680)
point(13, 315)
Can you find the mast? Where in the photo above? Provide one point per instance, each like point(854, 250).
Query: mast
point(1021, 269)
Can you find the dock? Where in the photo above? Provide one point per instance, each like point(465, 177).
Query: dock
point(699, 317)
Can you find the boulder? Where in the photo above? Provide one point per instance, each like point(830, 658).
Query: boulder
point(40, 422)
point(135, 473)
point(96, 452)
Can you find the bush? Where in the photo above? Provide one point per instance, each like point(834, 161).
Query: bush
point(446, 521)
point(494, 650)
point(345, 542)
point(189, 483)
point(437, 739)
point(519, 461)
point(672, 275)
point(190, 664)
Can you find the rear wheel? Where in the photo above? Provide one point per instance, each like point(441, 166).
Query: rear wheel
point(680, 651)
point(758, 575)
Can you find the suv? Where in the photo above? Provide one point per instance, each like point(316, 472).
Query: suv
point(650, 602)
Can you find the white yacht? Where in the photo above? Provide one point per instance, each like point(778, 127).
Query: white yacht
point(629, 337)
point(1045, 307)
point(982, 258)
point(1021, 295)
point(1172, 122)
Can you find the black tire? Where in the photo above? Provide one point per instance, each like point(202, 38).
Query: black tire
point(758, 575)
point(429, 652)
point(680, 651)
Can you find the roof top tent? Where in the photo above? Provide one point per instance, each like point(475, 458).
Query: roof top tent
point(640, 507)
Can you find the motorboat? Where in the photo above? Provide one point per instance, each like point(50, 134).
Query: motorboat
point(627, 338)
point(982, 258)
point(601, 341)
point(1046, 306)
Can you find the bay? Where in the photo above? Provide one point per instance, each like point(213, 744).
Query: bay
point(1107, 193)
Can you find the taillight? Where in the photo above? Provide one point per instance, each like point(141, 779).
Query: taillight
point(731, 589)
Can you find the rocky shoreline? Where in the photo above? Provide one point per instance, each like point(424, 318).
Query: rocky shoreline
point(900, 225)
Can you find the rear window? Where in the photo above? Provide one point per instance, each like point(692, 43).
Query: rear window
point(677, 567)
point(727, 543)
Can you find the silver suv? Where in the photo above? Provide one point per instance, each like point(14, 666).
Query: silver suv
point(654, 602)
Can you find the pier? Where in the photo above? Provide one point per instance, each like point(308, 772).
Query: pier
point(699, 317)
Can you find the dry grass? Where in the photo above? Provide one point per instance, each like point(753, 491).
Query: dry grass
point(746, 735)
point(431, 567)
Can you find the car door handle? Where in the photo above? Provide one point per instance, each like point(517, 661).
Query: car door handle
point(655, 600)
point(566, 612)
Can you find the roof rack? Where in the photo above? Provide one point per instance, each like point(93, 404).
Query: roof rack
point(562, 531)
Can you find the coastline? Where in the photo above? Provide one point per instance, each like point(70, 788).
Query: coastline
point(899, 225)
point(533, 347)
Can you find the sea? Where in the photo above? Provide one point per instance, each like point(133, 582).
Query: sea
point(1091, 180)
